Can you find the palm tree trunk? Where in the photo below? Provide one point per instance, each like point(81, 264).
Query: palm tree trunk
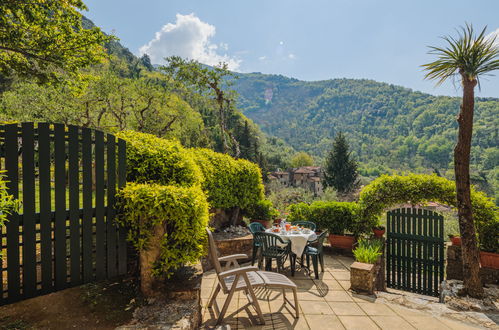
point(471, 267)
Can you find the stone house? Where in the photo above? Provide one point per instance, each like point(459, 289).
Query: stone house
point(307, 177)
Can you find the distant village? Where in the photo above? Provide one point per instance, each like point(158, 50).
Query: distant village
point(307, 177)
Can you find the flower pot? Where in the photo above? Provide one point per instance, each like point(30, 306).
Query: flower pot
point(378, 232)
point(265, 223)
point(489, 260)
point(456, 240)
point(344, 242)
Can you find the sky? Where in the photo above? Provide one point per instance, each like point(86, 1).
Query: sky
point(383, 40)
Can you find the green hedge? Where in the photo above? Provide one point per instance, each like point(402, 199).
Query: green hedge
point(184, 211)
point(262, 210)
point(155, 160)
point(387, 191)
point(229, 182)
point(8, 204)
point(335, 217)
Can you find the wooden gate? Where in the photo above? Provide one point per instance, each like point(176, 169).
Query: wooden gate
point(64, 235)
point(415, 250)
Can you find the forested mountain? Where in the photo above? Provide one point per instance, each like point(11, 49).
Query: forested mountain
point(388, 127)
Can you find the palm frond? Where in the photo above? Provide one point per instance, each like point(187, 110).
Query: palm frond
point(469, 55)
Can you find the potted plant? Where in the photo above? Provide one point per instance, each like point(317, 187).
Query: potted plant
point(489, 244)
point(363, 271)
point(455, 239)
point(489, 259)
point(340, 219)
point(379, 231)
point(262, 212)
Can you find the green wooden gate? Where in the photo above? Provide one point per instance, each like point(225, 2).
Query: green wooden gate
point(64, 235)
point(415, 250)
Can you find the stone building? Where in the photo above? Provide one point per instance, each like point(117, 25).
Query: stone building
point(307, 177)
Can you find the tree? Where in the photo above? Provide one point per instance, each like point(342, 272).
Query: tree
point(211, 80)
point(468, 57)
point(301, 159)
point(46, 40)
point(341, 169)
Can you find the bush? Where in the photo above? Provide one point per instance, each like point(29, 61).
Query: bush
point(368, 251)
point(387, 191)
point(335, 217)
point(8, 204)
point(184, 213)
point(154, 160)
point(262, 210)
point(229, 182)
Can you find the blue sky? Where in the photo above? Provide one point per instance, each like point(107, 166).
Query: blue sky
point(384, 40)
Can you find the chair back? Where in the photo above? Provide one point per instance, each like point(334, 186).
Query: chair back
point(256, 227)
point(213, 252)
point(307, 224)
point(268, 240)
point(320, 241)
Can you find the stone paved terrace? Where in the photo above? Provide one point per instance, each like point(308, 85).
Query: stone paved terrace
point(324, 304)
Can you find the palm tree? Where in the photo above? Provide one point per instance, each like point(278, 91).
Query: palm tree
point(467, 57)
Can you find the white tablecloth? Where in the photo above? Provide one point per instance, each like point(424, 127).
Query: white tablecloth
point(298, 241)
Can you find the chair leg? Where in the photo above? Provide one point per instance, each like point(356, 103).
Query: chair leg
point(321, 259)
point(296, 303)
point(253, 256)
point(315, 261)
point(292, 260)
point(268, 264)
point(255, 300)
point(227, 301)
point(214, 295)
point(308, 261)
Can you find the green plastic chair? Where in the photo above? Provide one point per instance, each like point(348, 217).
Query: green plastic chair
point(307, 224)
point(315, 249)
point(273, 247)
point(255, 227)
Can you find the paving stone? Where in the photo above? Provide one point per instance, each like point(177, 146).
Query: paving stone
point(330, 284)
point(309, 295)
point(316, 307)
point(456, 325)
point(376, 309)
point(341, 275)
point(324, 322)
point(346, 308)
point(334, 295)
point(345, 284)
point(425, 322)
point(357, 322)
point(285, 321)
point(391, 322)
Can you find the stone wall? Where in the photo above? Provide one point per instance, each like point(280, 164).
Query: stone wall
point(227, 247)
point(454, 268)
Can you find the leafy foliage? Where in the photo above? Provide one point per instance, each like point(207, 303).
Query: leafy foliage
point(228, 182)
point(262, 210)
point(154, 160)
point(368, 251)
point(341, 170)
point(183, 212)
point(8, 204)
point(335, 217)
point(301, 159)
point(387, 191)
point(46, 40)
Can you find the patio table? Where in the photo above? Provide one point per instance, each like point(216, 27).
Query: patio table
point(298, 240)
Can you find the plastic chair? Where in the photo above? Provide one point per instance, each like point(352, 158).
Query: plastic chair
point(307, 224)
point(273, 247)
point(315, 249)
point(256, 227)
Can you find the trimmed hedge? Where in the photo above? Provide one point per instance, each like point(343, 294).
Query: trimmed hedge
point(335, 217)
point(155, 160)
point(229, 182)
point(8, 204)
point(184, 211)
point(387, 191)
point(262, 210)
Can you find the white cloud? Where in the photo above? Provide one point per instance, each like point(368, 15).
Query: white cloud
point(262, 58)
point(281, 43)
point(496, 35)
point(291, 56)
point(188, 37)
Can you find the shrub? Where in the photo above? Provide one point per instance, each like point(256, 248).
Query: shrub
point(229, 182)
point(336, 217)
point(262, 210)
point(184, 213)
point(387, 191)
point(154, 160)
point(368, 251)
point(8, 204)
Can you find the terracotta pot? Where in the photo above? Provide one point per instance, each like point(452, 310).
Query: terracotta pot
point(341, 241)
point(265, 223)
point(378, 232)
point(489, 259)
point(456, 240)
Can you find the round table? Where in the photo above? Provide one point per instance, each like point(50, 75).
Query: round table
point(298, 240)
